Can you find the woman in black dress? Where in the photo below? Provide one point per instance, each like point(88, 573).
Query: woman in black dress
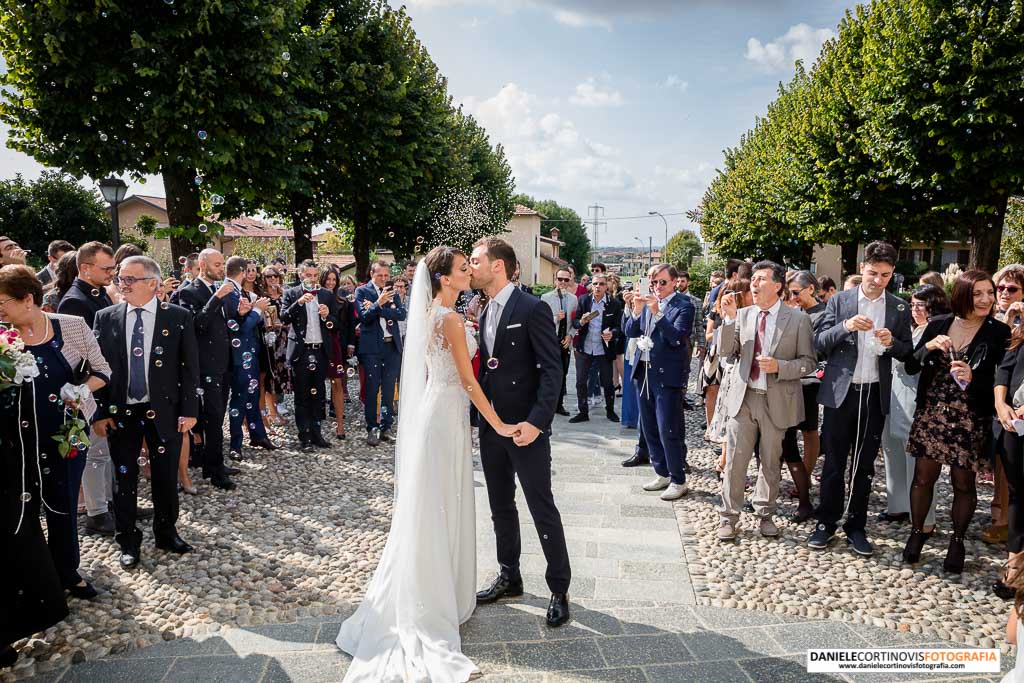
point(957, 357)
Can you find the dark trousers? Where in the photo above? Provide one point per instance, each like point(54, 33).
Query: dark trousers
point(245, 404)
point(213, 405)
point(1012, 454)
point(61, 491)
point(566, 357)
point(662, 426)
point(503, 461)
point(381, 373)
point(125, 447)
point(839, 432)
point(584, 363)
point(309, 373)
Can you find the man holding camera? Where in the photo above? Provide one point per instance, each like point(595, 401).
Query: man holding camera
point(380, 349)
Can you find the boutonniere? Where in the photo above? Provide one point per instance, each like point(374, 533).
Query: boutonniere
point(901, 307)
point(645, 343)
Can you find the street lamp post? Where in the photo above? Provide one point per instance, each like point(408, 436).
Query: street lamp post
point(665, 220)
point(650, 250)
point(114, 190)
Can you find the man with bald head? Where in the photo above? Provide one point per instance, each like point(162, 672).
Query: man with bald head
point(204, 296)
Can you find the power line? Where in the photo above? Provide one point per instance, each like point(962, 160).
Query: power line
point(603, 218)
point(597, 223)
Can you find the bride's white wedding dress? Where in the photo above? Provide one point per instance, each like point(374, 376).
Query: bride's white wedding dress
point(407, 627)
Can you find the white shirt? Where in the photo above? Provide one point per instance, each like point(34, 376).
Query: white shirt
point(313, 334)
point(769, 333)
point(593, 345)
point(646, 355)
point(494, 308)
point(382, 321)
point(866, 370)
point(149, 325)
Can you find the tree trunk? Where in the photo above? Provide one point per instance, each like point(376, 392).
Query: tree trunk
point(302, 228)
point(361, 243)
point(986, 236)
point(849, 256)
point(183, 209)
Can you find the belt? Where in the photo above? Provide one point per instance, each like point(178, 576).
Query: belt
point(760, 392)
point(862, 386)
point(389, 340)
point(319, 345)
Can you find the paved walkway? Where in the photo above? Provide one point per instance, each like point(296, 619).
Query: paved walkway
point(635, 617)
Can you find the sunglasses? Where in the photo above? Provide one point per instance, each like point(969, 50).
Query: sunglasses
point(795, 292)
point(1009, 289)
point(564, 279)
point(661, 283)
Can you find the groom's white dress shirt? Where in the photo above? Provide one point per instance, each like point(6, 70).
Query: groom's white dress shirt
point(494, 308)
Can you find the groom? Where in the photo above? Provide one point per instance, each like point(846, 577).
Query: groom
point(521, 374)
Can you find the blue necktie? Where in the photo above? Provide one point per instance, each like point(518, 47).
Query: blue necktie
point(137, 362)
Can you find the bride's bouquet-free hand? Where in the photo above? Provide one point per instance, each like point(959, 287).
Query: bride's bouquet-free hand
point(73, 436)
point(16, 364)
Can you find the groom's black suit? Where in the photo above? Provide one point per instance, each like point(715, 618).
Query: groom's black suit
point(523, 387)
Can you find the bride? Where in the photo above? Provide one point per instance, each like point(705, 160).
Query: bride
point(407, 627)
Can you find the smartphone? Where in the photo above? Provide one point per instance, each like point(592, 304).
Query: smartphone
point(628, 287)
point(643, 286)
point(176, 274)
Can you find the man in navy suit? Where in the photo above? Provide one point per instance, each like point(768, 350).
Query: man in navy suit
point(663, 321)
point(245, 323)
point(380, 349)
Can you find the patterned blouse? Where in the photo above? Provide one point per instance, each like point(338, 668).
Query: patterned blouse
point(79, 344)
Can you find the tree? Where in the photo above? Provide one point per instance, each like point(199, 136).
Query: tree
point(55, 206)
point(682, 248)
point(570, 229)
point(1012, 248)
point(262, 250)
point(152, 88)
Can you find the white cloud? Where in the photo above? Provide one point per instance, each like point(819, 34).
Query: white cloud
point(799, 42)
point(674, 82)
point(590, 94)
point(581, 19)
point(547, 152)
point(574, 13)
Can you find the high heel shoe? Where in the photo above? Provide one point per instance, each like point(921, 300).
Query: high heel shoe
point(912, 551)
point(955, 555)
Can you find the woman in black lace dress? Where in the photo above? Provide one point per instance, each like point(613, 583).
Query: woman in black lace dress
point(957, 357)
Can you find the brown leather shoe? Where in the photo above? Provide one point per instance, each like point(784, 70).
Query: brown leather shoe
point(994, 535)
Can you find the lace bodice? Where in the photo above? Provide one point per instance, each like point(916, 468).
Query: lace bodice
point(440, 364)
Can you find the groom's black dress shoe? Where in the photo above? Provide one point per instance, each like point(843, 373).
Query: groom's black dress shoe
point(174, 544)
point(636, 460)
point(561, 411)
point(503, 587)
point(582, 417)
point(558, 610)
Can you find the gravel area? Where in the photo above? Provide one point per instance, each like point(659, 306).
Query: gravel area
point(299, 537)
point(784, 576)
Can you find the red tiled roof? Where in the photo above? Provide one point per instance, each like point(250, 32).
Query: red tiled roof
point(560, 262)
point(244, 226)
point(342, 261)
point(156, 202)
point(526, 211)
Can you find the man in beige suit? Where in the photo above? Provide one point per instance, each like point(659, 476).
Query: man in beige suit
point(776, 348)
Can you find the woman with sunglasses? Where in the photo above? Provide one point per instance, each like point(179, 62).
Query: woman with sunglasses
point(926, 302)
point(1009, 309)
point(957, 357)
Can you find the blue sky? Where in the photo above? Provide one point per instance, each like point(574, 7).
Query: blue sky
point(623, 103)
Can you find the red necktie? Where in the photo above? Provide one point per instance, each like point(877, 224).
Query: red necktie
point(755, 368)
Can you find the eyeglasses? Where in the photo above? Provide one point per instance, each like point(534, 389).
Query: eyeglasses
point(919, 305)
point(105, 269)
point(4, 302)
point(129, 281)
point(661, 283)
point(564, 279)
point(795, 292)
point(1009, 289)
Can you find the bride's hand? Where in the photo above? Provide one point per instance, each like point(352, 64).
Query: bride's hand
point(508, 431)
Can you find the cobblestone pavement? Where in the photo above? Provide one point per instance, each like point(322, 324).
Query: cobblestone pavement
point(640, 575)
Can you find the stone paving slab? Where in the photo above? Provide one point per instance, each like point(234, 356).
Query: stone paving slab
point(635, 616)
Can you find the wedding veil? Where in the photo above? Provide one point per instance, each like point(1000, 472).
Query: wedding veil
point(411, 420)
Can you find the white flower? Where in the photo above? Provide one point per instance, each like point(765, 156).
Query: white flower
point(645, 343)
point(25, 367)
point(76, 393)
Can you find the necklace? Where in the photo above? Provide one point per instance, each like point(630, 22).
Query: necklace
point(30, 331)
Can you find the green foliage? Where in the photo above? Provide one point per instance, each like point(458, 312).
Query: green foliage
point(570, 229)
point(682, 248)
point(146, 225)
point(1012, 248)
point(262, 250)
point(34, 213)
point(906, 128)
point(700, 274)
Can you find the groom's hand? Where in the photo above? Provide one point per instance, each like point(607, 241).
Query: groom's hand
point(527, 434)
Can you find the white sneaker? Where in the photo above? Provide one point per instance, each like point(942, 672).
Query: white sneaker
point(657, 484)
point(675, 491)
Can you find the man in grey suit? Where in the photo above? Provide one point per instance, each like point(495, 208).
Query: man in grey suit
point(860, 333)
point(775, 348)
point(563, 303)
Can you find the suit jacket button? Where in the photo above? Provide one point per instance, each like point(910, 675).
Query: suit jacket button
point(513, 382)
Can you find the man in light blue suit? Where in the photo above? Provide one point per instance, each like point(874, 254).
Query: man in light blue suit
point(663, 321)
point(380, 349)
